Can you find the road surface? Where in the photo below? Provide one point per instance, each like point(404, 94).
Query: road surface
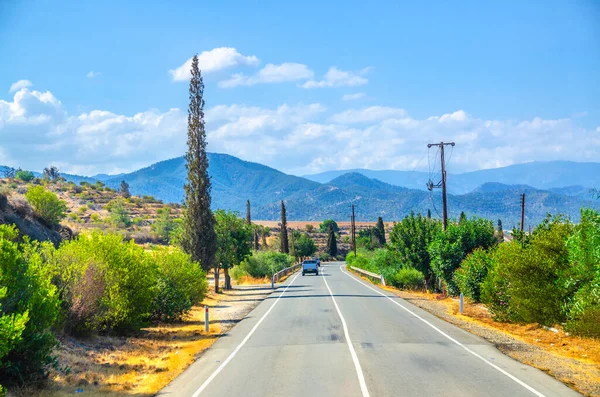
point(337, 335)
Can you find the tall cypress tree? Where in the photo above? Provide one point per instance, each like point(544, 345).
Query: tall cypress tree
point(248, 219)
point(331, 242)
point(463, 218)
point(381, 228)
point(284, 235)
point(198, 239)
point(428, 214)
point(500, 231)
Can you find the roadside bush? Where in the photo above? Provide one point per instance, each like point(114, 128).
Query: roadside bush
point(266, 263)
point(525, 283)
point(325, 257)
point(583, 277)
point(449, 248)
point(407, 278)
point(30, 307)
point(46, 205)
point(472, 273)
point(410, 238)
point(181, 284)
point(106, 284)
point(25, 176)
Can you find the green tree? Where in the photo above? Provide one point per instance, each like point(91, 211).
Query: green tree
point(331, 242)
point(304, 245)
point(428, 214)
point(124, 189)
point(164, 224)
point(233, 242)
point(411, 238)
point(25, 176)
point(448, 249)
point(283, 237)
point(500, 231)
point(119, 215)
point(463, 217)
point(380, 231)
point(198, 237)
point(46, 205)
point(324, 226)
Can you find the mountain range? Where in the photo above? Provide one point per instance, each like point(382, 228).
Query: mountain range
point(550, 187)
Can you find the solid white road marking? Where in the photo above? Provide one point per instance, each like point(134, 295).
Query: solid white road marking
point(242, 343)
point(359, 373)
point(525, 385)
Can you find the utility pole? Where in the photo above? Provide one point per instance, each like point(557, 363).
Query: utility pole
point(522, 211)
point(442, 183)
point(353, 230)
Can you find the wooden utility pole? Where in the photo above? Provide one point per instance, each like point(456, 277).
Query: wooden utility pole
point(442, 183)
point(353, 230)
point(522, 211)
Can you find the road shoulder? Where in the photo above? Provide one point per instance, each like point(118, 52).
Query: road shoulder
point(568, 359)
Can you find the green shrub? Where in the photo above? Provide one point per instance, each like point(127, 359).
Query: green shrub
point(325, 257)
point(410, 238)
point(583, 276)
point(407, 278)
point(449, 248)
point(106, 285)
point(472, 273)
point(181, 284)
point(164, 224)
point(25, 176)
point(304, 246)
point(119, 215)
point(46, 205)
point(30, 307)
point(528, 279)
point(237, 272)
point(266, 263)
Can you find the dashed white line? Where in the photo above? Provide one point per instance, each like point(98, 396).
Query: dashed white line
point(520, 382)
point(242, 343)
point(359, 373)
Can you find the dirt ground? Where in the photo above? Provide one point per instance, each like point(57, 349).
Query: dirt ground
point(145, 363)
point(573, 360)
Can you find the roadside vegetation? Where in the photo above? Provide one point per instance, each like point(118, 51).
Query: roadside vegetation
point(550, 277)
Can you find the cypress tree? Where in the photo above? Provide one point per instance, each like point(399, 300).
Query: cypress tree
point(463, 218)
point(500, 231)
point(125, 189)
point(381, 230)
point(248, 219)
point(331, 242)
point(198, 238)
point(284, 235)
point(428, 214)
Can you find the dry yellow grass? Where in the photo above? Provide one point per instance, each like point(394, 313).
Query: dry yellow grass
point(139, 365)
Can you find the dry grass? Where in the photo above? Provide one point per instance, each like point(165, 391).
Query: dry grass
point(139, 365)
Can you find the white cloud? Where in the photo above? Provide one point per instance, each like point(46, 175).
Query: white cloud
point(36, 130)
point(91, 74)
point(214, 60)
point(18, 85)
point(271, 74)
point(353, 97)
point(339, 78)
point(370, 114)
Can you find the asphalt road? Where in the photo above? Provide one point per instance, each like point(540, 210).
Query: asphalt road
point(336, 335)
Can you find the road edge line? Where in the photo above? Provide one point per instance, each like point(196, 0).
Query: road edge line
point(359, 373)
point(242, 343)
point(504, 372)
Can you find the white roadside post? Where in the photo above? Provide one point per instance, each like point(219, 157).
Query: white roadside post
point(461, 303)
point(273, 282)
point(205, 318)
point(382, 281)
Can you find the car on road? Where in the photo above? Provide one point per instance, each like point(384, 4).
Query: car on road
point(310, 266)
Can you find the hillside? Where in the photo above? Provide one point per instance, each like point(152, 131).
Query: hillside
point(234, 181)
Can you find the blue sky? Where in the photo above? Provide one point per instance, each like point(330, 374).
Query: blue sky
point(508, 81)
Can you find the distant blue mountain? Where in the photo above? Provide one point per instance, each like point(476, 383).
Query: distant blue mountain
point(538, 174)
point(493, 194)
